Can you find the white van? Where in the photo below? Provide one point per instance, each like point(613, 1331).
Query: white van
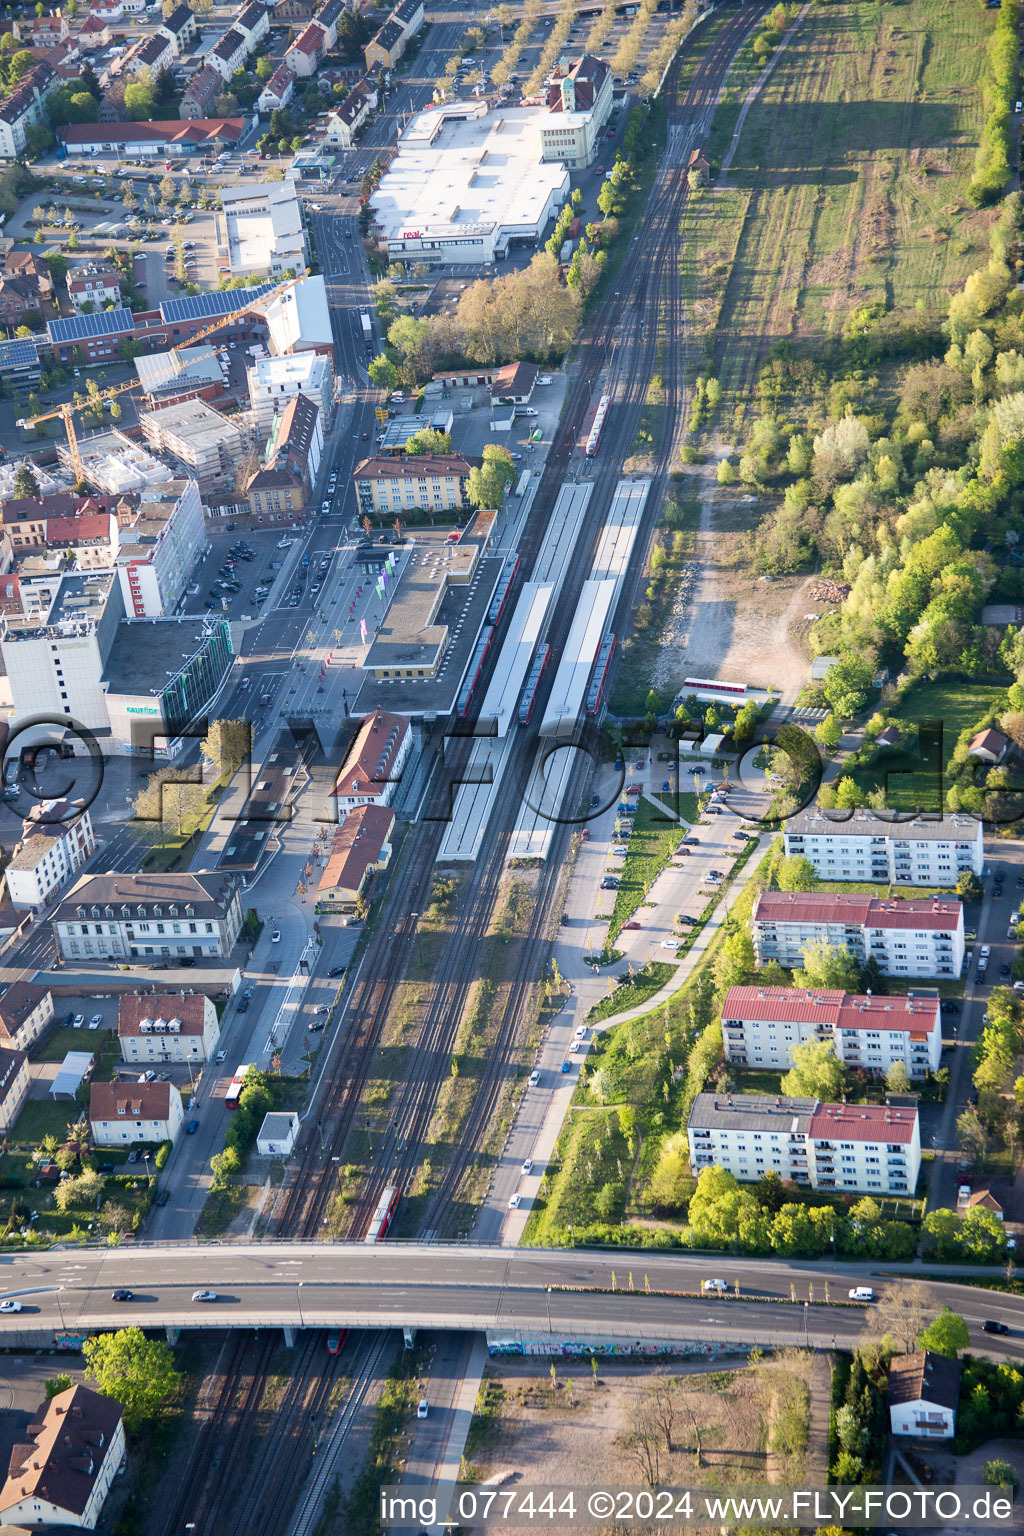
point(717, 1286)
point(862, 1293)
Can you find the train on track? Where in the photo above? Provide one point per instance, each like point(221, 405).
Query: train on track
point(593, 426)
point(499, 601)
point(382, 1217)
point(464, 702)
point(595, 693)
point(537, 665)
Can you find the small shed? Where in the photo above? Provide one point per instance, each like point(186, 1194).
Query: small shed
point(73, 1071)
point(278, 1134)
point(711, 745)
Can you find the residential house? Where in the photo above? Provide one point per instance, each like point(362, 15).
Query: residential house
point(154, 52)
point(863, 846)
point(409, 15)
point(18, 296)
point(923, 1393)
point(761, 1026)
point(915, 938)
point(361, 846)
point(345, 121)
point(43, 31)
point(167, 1026)
point(25, 1011)
point(437, 483)
point(888, 737)
point(14, 1085)
point(25, 108)
point(514, 384)
point(201, 92)
point(372, 770)
point(327, 18)
point(870, 1149)
point(989, 746)
point(281, 485)
point(28, 264)
point(56, 841)
point(308, 49)
point(120, 917)
point(228, 53)
point(253, 22)
point(293, 10)
point(278, 90)
point(385, 50)
point(108, 10)
point(94, 33)
point(121, 1114)
point(62, 1471)
point(180, 29)
point(93, 284)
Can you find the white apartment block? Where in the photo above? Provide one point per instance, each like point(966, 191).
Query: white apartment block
point(273, 381)
point(863, 846)
point(14, 1085)
point(55, 650)
point(913, 938)
point(167, 1026)
point(158, 552)
point(761, 1025)
point(25, 108)
point(63, 1468)
point(871, 1149)
point(51, 851)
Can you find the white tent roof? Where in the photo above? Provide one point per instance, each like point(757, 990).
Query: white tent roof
point(71, 1073)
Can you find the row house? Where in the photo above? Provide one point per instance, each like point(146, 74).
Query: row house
point(872, 1149)
point(345, 121)
point(56, 842)
point(95, 284)
point(25, 1011)
point(65, 1465)
point(434, 482)
point(200, 94)
point(253, 22)
point(154, 52)
point(913, 938)
point(761, 1026)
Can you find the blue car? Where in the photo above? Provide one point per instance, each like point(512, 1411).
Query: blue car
point(192, 1127)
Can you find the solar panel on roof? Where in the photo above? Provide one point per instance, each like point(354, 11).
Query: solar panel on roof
point(80, 327)
point(18, 354)
point(207, 306)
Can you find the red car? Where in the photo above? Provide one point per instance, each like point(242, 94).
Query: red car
point(585, 835)
point(630, 925)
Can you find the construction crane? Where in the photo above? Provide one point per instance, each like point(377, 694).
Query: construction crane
point(68, 409)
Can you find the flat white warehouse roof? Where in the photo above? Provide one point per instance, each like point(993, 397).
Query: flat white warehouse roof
point(463, 172)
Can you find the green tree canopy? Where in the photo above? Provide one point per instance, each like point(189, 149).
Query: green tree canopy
point(816, 1073)
point(429, 440)
point(489, 482)
point(828, 966)
point(383, 373)
point(136, 1372)
point(947, 1335)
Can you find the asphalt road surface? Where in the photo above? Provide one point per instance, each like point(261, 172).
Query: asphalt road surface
point(575, 1294)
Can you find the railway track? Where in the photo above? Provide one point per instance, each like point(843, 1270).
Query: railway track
point(624, 337)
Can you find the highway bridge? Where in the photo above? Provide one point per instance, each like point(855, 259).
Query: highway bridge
point(570, 1296)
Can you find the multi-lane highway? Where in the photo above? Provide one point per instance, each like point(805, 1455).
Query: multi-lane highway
point(568, 1295)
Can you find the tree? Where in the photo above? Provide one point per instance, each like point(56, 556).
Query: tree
point(829, 733)
point(383, 373)
point(797, 873)
point(25, 482)
point(968, 886)
point(828, 967)
point(138, 101)
point(770, 1192)
point(848, 682)
point(55, 1384)
point(948, 1335)
point(429, 440)
point(171, 796)
point(900, 1315)
point(135, 1371)
point(736, 960)
point(897, 1079)
point(489, 482)
point(816, 1073)
point(971, 1136)
point(227, 745)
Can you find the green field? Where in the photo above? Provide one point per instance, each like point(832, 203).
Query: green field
point(847, 185)
point(911, 780)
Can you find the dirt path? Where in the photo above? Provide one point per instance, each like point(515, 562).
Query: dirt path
point(738, 627)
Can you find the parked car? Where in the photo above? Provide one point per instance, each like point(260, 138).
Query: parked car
point(528, 1166)
point(515, 1201)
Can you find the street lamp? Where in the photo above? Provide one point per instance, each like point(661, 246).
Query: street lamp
point(298, 1300)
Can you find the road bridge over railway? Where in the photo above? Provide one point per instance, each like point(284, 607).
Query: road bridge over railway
point(573, 1299)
